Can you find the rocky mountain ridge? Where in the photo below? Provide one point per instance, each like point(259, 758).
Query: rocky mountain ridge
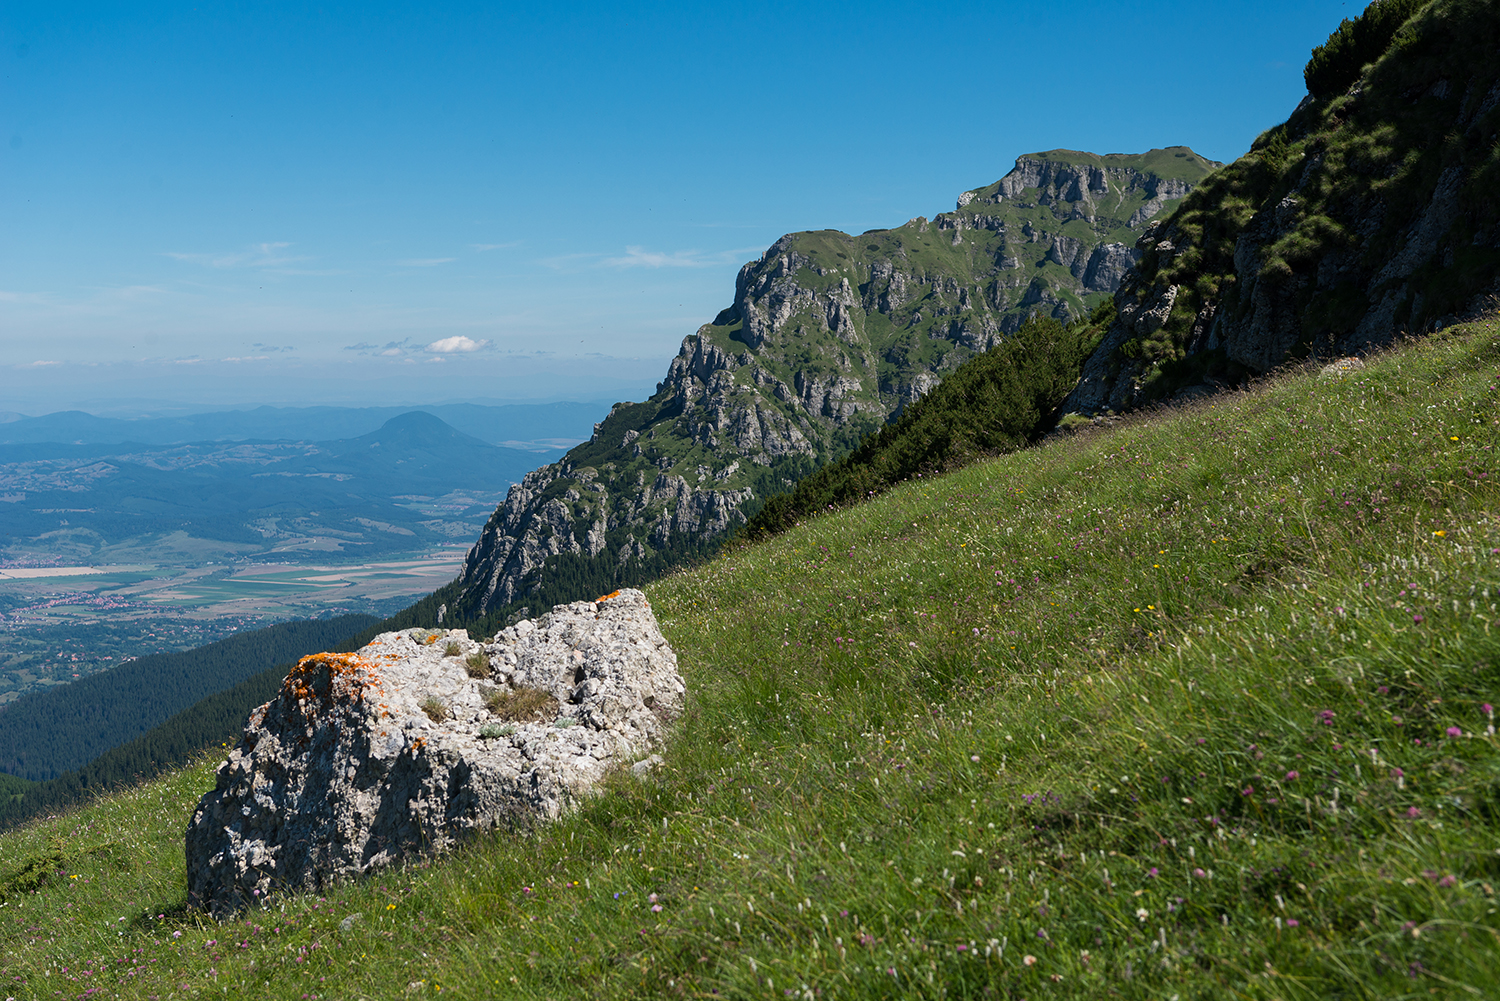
point(1369, 214)
point(827, 337)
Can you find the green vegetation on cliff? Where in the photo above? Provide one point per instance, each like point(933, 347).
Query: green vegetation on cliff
point(1198, 703)
point(996, 402)
point(1370, 212)
point(828, 335)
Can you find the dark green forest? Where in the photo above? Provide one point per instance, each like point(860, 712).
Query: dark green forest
point(47, 733)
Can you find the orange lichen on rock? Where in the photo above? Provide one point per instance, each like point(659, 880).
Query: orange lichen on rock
point(612, 594)
point(326, 676)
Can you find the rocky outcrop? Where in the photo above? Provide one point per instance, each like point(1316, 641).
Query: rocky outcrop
point(827, 337)
point(423, 737)
point(1368, 215)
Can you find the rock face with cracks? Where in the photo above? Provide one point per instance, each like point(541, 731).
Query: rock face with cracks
point(424, 736)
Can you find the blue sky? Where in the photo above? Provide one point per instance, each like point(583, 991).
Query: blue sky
point(239, 203)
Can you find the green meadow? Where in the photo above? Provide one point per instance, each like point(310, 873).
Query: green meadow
point(1197, 704)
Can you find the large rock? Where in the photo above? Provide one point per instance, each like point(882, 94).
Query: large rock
point(367, 757)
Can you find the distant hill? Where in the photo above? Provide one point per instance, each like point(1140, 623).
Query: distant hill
point(542, 422)
point(367, 492)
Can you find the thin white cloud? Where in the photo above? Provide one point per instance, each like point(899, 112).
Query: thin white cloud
point(250, 358)
point(456, 345)
point(426, 262)
point(482, 247)
point(39, 364)
point(640, 257)
point(391, 353)
point(260, 256)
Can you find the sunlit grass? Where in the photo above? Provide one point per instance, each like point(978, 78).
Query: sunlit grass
point(1197, 705)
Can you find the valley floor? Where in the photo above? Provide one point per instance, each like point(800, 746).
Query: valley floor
point(1197, 705)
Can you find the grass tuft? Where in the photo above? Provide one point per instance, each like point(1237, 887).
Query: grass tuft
point(521, 705)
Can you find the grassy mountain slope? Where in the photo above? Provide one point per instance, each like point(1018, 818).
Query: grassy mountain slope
point(1370, 212)
point(1197, 704)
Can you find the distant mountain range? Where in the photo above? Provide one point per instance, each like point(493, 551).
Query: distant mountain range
point(414, 481)
point(550, 424)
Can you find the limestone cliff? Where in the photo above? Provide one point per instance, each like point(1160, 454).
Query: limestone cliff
point(1370, 213)
point(828, 336)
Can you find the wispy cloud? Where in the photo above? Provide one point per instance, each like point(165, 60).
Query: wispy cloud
point(39, 364)
point(250, 358)
point(482, 247)
point(640, 257)
point(456, 345)
point(426, 262)
point(260, 256)
point(271, 347)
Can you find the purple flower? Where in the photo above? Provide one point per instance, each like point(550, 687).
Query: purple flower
point(1454, 731)
point(1153, 872)
point(1382, 690)
point(1416, 618)
point(1292, 776)
point(1487, 709)
point(1200, 873)
point(1291, 922)
point(1248, 790)
point(1447, 881)
point(1414, 813)
point(656, 908)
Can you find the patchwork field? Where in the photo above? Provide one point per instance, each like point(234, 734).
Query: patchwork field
point(64, 622)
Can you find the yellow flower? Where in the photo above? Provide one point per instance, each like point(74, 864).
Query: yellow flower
point(1440, 533)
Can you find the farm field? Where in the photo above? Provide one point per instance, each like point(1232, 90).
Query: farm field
point(61, 623)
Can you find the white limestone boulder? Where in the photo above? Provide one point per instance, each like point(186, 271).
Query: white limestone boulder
point(424, 736)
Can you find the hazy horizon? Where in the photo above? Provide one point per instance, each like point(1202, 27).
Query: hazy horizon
point(370, 205)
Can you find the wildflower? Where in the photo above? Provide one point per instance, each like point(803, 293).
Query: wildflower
point(1454, 731)
point(1447, 881)
point(1200, 874)
point(1141, 914)
point(974, 758)
point(1291, 922)
point(1413, 813)
point(1488, 710)
point(1440, 533)
point(1292, 776)
point(1153, 872)
point(652, 898)
point(1029, 959)
point(1247, 791)
point(656, 908)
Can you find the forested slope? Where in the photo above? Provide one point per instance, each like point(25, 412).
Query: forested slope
point(47, 733)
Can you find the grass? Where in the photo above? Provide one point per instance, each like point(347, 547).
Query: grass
point(1195, 705)
point(520, 705)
